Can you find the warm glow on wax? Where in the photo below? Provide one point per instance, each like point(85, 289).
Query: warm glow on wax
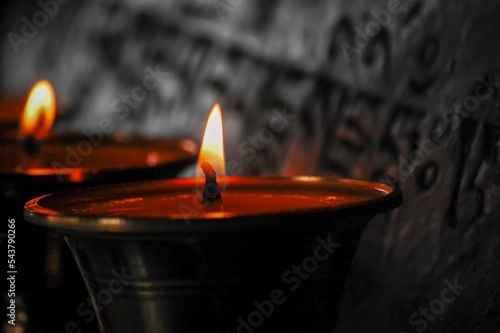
point(212, 146)
point(39, 113)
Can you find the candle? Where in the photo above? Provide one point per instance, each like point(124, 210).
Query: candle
point(173, 202)
point(270, 253)
point(59, 159)
point(175, 199)
point(50, 162)
point(76, 157)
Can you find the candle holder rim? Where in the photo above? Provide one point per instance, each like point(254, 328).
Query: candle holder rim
point(85, 174)
point(37, 214)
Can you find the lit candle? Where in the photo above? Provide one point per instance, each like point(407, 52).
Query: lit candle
point(78, 158)
point(35, 161)
point(39, 113)
point(271, 252)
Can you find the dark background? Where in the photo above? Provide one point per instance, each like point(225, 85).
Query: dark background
point(384, 114)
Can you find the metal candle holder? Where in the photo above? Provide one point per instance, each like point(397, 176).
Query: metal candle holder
point(47, 273)
point(230, 274)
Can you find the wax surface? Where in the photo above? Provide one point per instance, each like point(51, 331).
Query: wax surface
point(177, 198)
point(65, 154)
point(233, 203)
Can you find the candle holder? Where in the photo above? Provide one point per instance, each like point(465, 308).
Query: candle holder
point(274, 259)
point(47, 274)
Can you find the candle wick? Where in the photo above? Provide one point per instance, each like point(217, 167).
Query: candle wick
point(30, 145)
point(211, 193)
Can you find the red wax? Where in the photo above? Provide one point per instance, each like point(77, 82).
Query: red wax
point(234, 203)
point(63, 155)
point(120, 207)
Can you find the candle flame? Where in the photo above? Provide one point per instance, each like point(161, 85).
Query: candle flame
point(40, 112)
point(212, 146)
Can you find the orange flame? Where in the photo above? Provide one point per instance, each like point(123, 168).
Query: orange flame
point(40, 111)
point(212, 146)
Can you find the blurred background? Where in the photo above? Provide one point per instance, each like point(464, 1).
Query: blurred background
point(404, 92)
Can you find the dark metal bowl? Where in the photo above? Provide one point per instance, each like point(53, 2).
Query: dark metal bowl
point(48, 282)
point(233, 273)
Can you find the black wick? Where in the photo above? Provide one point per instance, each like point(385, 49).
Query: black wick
point(211, 191)
point(30, 145)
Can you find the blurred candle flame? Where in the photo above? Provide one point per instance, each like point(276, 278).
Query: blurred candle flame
point(212, 146)
point(39, 113)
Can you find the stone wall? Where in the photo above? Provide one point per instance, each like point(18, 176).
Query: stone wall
point(413, 99)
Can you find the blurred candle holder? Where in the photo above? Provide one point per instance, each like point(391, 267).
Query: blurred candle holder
point(47, 273)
